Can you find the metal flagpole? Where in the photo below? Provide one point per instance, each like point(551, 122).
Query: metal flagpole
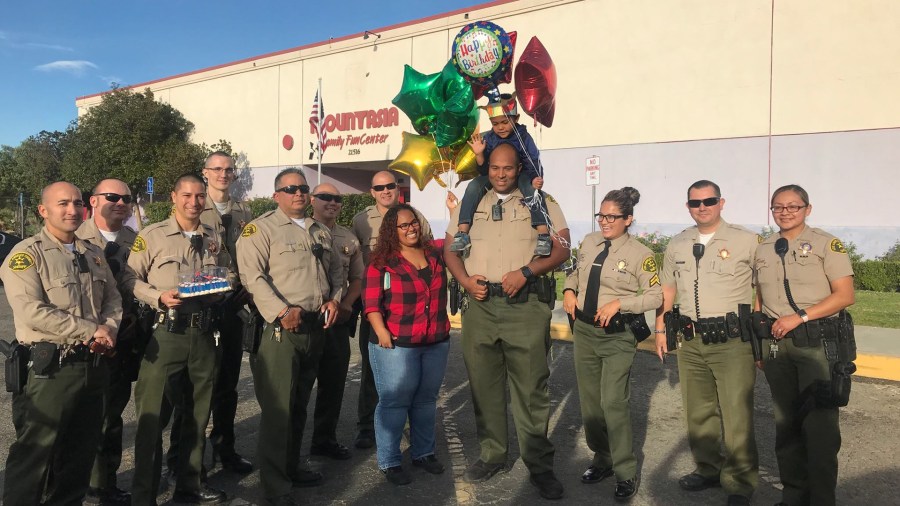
point(319, 133)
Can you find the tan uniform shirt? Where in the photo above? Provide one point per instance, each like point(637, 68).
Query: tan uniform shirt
point(324, 235)
point(814, 259)
point(346, 247)
point(89, 231)
point(366, 224)
point(160, 252)
point(50, 299)
point(726, 270)
point(502, 246)
point(277, 265)
point(629, 268)
point(240, 217)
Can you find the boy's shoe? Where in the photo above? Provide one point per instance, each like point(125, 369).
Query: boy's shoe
point(544, 245)
point(461, 243)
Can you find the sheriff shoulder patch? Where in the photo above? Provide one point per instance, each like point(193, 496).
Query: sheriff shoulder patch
point(21, 261)
point(549, 198)
point(654, 280)
point(760, 239)
point(649, 265)
point(139, 245)
point(837, 246)
point(249, 230)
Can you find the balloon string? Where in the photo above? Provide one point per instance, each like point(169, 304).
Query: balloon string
point(441, 157)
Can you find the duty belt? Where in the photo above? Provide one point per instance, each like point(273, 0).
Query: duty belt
point(199, 320)
point(810, 334)
point(718, 329)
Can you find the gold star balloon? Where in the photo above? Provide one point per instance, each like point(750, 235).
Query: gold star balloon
point(417, 158)
point(465, 164)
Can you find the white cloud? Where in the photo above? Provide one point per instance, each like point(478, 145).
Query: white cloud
point(74, 67)
point(53, 47)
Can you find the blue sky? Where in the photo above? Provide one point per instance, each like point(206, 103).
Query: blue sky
point(54, 51)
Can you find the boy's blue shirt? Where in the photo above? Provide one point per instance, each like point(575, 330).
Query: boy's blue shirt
point(525, 148)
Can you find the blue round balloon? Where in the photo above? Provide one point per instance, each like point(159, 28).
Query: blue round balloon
point(482, 53)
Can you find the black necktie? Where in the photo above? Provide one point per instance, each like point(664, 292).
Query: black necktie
point(593, 284)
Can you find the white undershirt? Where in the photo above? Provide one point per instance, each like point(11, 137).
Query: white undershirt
point(501, 196)
point(704, 238)
point(109, 236)
point(300, 222)
point(221, 206)
point(70, 247)
point(188, 235)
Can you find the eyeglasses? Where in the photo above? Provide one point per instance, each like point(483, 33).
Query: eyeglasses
point(709, 202)
point(610, 218)
point(791, 209)
point(292, 189)
point(382, 187)
point(115, 197)
point(218, 170)
point(405, 226)
point(327, 197)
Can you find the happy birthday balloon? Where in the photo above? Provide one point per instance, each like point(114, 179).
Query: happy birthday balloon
point(417, 158)
point(536, 82)
point(482, 53)
point(481, 90)
point(419, 98)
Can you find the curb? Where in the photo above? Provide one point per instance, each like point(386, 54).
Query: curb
point(868, 365)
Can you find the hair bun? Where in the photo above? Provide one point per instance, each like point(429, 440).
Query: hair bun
point(632, 194)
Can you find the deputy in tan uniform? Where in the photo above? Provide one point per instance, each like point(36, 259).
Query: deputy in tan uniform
point(335, 360)
point(365, 227)
point(506, 328)
point(288, 270)
point(606, 296)
point(228, 216)
point(181, 354)
point(820, 280)
point(715, 367)
point(62, 296)
point(111, 202)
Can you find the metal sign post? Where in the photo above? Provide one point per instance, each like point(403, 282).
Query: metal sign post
point(592, 179)
point(150, 188)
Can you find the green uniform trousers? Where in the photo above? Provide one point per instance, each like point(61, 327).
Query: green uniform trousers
point(332, 376)
point(283, 375)
point(58, 422)
point(603, 369)
point(718, 377)
point(503, 343)
point(109, 452)
point(187, 359)
point(225, 396)
point(806, 451)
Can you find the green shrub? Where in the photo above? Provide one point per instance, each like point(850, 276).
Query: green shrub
point(877, 276)
point(261, 205)
point(892, 254)
point(353, 204)
point(158, 211)
point(655, 241)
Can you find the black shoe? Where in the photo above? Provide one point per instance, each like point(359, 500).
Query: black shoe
point(547, 484)
point(429, 463)
point(695, 482)
point(482, 471)
point(627, 489)
point(307, 478)
point(107, 496)
point(285, 500)
point(331, 449)
point(738, 500)
point(167, 479)
point(365, 439)
point(235, 463)
point(595, 474)
point(397, 475)
point(205, 495)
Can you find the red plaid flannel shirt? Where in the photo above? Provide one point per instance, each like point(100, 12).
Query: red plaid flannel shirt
point(414, 312)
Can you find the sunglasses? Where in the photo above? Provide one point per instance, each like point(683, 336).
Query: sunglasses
point(292, 189)
point(115, 197)
point(711, 201)
point(405, 226)
point(382, 187)
point(327, 197)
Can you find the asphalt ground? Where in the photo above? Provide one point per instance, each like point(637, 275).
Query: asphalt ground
point(869, 466)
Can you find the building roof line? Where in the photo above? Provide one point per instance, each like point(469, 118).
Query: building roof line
point(351, 36)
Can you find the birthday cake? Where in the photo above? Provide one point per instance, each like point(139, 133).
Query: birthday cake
point(204, 282)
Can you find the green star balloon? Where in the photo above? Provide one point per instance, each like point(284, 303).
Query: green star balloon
point(420, 98)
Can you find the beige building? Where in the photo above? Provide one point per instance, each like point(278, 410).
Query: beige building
point(752, 94)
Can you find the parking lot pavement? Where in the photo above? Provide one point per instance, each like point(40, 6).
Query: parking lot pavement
point(869, 467)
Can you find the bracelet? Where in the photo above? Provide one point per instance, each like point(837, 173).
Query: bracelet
point(659, 331)
point(283, 313)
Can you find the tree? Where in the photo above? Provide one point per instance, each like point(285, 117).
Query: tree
point(131, 136)
point(892, 254)
point(33, 164)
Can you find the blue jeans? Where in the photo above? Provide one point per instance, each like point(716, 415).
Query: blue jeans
point(408, 381)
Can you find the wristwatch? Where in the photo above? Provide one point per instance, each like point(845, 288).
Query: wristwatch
point(527, 272)
point(803, 316)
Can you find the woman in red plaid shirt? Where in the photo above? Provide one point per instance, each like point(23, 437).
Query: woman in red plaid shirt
point(405, 300)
